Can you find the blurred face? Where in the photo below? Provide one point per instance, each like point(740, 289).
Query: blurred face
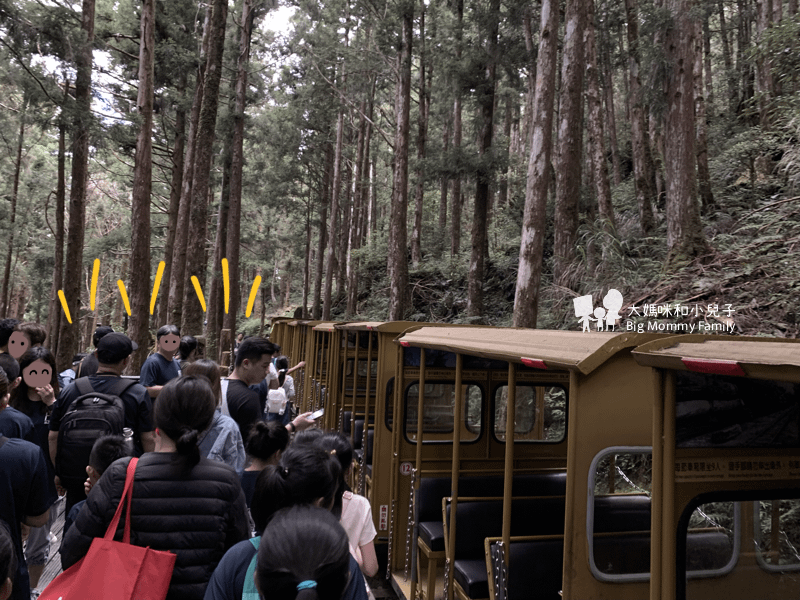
point(169, 343)
point(18, 343)
point(37, 374)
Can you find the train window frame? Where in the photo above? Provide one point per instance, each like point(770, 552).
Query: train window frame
point(735, 496)
point(769, 568)
point(493, 411)
point(597, 573)
point(479, 433)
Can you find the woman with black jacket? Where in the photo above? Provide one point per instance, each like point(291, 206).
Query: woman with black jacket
point(189, 505)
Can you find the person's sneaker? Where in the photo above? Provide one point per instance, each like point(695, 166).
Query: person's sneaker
point(35, 594)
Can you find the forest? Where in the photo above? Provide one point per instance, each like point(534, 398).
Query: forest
point(467, 161)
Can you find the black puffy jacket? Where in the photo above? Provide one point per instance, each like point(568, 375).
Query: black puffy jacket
point(197, 513)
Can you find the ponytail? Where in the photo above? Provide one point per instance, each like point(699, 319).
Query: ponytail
point(304, 475)
point(185, 407)
point(282, 364)
point(187, 446)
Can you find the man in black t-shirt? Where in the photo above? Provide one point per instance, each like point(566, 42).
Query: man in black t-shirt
point(27, 494)
point(244, 403)
point(113, 354)
point(252, 361)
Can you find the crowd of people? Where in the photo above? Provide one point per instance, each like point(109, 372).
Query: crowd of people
point(247, 495)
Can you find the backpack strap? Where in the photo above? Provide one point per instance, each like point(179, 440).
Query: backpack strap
point(120, 386)
point(84, 386)
point(249, 591)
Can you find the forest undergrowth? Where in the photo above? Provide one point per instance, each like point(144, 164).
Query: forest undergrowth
point(748, 269)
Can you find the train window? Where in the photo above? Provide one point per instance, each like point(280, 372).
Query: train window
point(713, 411)
point(362, 368)
point(777, 534)
point(709, 537)
point(437, 417)
point(618, 515)
point(541, 413)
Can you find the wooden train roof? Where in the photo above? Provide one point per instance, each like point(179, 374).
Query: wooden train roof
point(759, 357)
point(360, 325)
point(329, 326)
point(395, 327)
point(546, 349)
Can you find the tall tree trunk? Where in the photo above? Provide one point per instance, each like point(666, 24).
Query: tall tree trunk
point(684, 235)
point(701, 141)
point(643, 176)
point(192, 314)
point(764, 78)
point(709, 78)
point(530, 64)
point(55, 314)
point(422, 134)
point(174, 200)
point(216, 301)
point(485, 97)
point(333, 234)
point(444, 184)
point(398, 260)
point(81, 125)
point(142, 185)
point(596, 142)
point(570, 144)
point(4, 300)
point(730, 74)
point(178, 270)
point(250, 11)
point(534, 221)
point(455, 224)
point(307, 262)
point(743, 66)
point(344, 230)
point(508, 120)
point(323, 233)
point(611, 111)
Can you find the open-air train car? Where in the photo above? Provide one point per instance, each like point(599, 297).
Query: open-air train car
point(726, 461)
point(553, 508)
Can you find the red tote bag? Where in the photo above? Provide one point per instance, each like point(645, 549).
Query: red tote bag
point(116, 570)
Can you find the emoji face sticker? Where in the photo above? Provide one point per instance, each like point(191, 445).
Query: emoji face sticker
point(37, 374)
point(169, 343)
point(18, 343)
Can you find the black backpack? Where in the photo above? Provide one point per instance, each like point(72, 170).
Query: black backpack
point(90, 416)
